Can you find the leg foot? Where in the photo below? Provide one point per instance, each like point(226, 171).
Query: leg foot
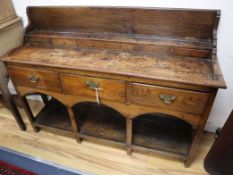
point(79, 140)
point(187, 164)
point(23, 128)
point(35, 129)
point(129, 151)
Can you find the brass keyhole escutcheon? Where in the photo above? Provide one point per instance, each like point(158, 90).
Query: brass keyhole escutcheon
point(33, 79)
point(92, 84)
point(167, 99)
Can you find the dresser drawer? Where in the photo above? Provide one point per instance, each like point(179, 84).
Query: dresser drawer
point(168, 98)
point(35, 78)
point(85, 86)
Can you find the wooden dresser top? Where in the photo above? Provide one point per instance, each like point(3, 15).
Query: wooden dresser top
point(176, 45)
point(159, 67)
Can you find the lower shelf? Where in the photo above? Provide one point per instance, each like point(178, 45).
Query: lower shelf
point(54, 117)
point(101, 121)
point(161, 133)
point(158, 133)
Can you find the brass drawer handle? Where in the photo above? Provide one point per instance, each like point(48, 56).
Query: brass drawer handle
point(92, 85)
point(167, 99)
point(33, 79)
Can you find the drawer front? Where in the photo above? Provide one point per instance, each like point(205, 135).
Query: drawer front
point(168, 98)
point(85, 86)
point(35, 78)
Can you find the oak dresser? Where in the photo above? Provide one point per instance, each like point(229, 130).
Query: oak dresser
point(138, 78)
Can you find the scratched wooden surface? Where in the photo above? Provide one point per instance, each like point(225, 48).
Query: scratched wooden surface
point(90, 157)
point(186, 70)
point(183, 23)
point(117, 37)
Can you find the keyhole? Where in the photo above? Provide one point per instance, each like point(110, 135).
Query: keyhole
point(97, 96)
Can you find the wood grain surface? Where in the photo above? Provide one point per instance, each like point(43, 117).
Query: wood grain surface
point(182, 70)
point(124, 41)
point(76, 84)
point(151, 21)
point(184, 101)
point(43, 79)
point(128, 110)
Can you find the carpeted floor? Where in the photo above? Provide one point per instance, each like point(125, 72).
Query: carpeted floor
point(15, 163)
point(8, 169)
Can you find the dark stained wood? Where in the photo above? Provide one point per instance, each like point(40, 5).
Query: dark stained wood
point(29, 113)
point(141, 61)
point(45, 99)
point(190, 52)
point(54, 115)
point(220, 157)
point(182, 23)
point(121, 42)
point(103, 141)
point(100, 121)
point(162, 133)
